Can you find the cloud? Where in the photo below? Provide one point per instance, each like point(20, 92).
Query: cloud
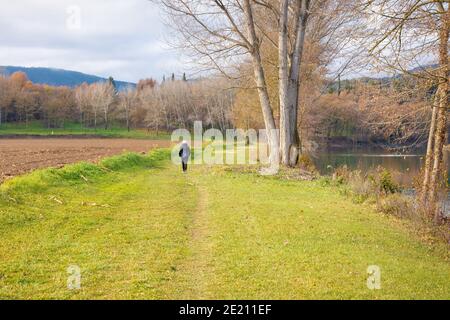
point(119, 38)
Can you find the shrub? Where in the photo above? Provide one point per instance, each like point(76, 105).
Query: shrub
point(385, 182)
point(377, 183)
point(306, 163)
point(325, 181)
point(341, 175)
point(397, 205)
point(380, 187)
point(360, 185)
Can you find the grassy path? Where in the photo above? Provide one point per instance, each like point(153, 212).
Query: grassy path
point(190, 282)
point(127, 231)
point(152, 232)
point(201, 250)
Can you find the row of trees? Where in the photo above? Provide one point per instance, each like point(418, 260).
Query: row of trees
point(371, 112)
point(22, 101)
point(178, 104)
point(167, 106)
point(392, 113)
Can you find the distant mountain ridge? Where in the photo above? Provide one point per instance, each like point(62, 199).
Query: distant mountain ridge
point(59, 77)
point(332, 85)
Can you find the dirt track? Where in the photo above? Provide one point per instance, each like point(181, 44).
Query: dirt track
point(18, 156)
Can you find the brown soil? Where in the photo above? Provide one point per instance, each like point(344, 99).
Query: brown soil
point(18, 156)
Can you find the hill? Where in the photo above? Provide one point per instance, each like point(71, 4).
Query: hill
point(58, 77)
point(332, 85)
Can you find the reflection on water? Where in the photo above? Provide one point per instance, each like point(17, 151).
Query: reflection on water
point(405, 167)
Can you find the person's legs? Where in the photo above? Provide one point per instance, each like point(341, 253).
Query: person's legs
point(184, 166)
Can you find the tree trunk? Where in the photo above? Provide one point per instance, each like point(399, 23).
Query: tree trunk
point(106, 120)
point(128, 120)
point(294, 80)
point(260, 80)
point(283, 85)
point(429, 155)
point(95, 120)
point(339, 85)
point(441, 127)
point(436, 173)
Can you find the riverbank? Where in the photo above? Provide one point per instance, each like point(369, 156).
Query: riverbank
point(138, 228)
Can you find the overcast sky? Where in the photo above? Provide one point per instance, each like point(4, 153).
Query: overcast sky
point(119, 38)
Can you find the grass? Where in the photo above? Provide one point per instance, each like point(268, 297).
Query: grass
point(36, 128)
point(138, 228)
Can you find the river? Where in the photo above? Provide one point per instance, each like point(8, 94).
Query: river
point(405, 167)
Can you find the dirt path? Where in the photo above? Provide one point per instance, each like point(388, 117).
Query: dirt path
point(196, 268)
point(200, 247)
point(19, 156)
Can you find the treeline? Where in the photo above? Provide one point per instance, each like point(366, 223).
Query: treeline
point(391, 113)
point(166, 106)
point(23, 101)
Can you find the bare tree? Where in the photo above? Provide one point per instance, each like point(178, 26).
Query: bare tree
point(413, 33)
point(441, 117)
point(180, 103)
point(127, 100)
point(102, 97)
point(221, 33)
point(290, 77)
point(83, 99)
point(156, 116)
point(6, 97)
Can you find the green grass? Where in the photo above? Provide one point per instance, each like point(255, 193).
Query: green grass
point(138, 228)
point(75, 129)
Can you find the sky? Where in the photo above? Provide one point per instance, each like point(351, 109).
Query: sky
point(124, 39)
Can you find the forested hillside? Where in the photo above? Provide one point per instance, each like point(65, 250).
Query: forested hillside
point(58, 77)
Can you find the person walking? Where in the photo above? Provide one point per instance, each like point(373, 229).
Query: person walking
point(185, 153)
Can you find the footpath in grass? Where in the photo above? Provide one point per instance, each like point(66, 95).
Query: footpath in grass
point(138, 228)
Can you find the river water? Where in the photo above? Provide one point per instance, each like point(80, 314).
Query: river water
point(404, 166)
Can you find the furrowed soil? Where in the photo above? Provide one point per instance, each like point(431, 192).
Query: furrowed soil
point(19, 156)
